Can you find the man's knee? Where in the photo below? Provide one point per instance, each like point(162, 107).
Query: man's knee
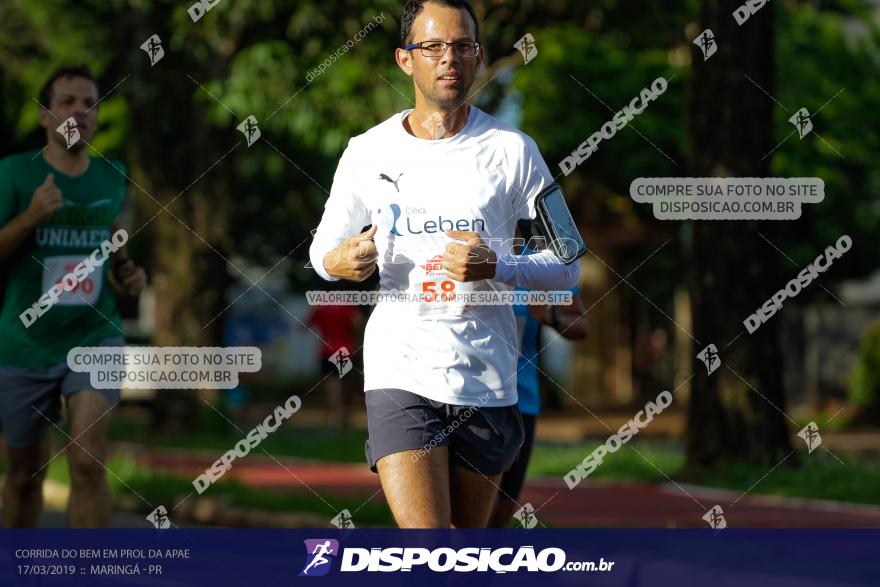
point(27, 466)
point(417, 490)
point(85, 468)
point(25, 477)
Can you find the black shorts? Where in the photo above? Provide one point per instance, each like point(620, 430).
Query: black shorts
point(512, 482)
point(484, 440)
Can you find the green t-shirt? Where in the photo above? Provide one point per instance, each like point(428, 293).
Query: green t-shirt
point(86, 315)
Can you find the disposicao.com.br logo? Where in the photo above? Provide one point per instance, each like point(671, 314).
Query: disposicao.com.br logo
point(318, 552)
point(442, 559)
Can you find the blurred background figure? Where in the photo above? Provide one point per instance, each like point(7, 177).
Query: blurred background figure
point(571, 323)
point(338, 328)
point(648, 351)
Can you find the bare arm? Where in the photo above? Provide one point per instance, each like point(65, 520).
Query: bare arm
point(44, 202)
point(570, 321)
point(14, 232)
point(126, 278)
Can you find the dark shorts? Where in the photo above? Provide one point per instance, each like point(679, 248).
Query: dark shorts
point(30, 399)
point(512, 482)
point(484, 440)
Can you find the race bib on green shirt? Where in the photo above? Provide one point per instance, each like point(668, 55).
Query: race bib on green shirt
point(85, 314)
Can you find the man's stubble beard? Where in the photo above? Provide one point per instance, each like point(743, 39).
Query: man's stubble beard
point(433, 98)
point(74, 148)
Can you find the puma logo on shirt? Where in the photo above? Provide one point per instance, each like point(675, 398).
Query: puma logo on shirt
point(389, 180)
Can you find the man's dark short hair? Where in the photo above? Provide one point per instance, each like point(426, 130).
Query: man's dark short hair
point(413, 8)
point(66, 71)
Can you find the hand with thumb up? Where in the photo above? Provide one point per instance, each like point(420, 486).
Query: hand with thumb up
point(44, 202)
point(354, 258)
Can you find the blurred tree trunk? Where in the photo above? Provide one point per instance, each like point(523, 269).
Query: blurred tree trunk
point(733, 269)
point(173, 160)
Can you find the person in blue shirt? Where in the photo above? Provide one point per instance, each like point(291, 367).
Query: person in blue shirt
point(571, 323)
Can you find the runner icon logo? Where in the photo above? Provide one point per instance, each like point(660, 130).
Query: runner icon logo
point(706, 43)
point(343, 520)
point(810, 434)
point(526, 516)
point(250, 130)
point(318, 552)
point(801, 121)
point(159, 518)
point(434, 125)
point(342, 360)
point(70, 131)
point(710, 358)
point(715, 518)
point(154, 50)
point(527, 47)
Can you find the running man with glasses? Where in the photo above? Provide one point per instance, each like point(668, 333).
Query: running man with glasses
point(442, 187)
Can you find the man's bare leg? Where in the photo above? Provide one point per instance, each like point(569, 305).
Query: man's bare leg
point(23, 489)
point(89, 505)
point(472, 497)
point(417, 487)
point(503, 512)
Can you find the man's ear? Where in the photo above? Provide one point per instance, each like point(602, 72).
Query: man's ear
point(45, 117)
point(404, 60)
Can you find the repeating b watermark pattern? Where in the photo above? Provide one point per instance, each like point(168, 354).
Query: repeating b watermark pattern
point(526, 516)
point(810, 434)
point(343, 520)
point(710, 358)
point(527, 47)
point(802, 122)
point(706, 42)
point(153, 48)
point(715, 518)
point(342, 360)
point(68, 129)
point(434, 125)
point(250, 130)
point(159, 518)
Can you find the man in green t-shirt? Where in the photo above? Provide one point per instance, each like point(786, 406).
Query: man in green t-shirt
point(58, 206)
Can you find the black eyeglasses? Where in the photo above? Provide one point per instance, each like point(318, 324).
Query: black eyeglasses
point(437, 49)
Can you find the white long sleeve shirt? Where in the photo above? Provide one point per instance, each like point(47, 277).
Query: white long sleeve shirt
point(482, 179)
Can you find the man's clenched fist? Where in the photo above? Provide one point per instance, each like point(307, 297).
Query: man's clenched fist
point(471, 260)
point(46, 199)
point(354, 258)
point(131, 278)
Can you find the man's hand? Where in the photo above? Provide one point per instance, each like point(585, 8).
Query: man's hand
point(44, 202)
point(541, 313)
point(131, 278)
point(354, 258)
point(471, 260)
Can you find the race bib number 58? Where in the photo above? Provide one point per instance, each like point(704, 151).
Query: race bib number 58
point(438, 294)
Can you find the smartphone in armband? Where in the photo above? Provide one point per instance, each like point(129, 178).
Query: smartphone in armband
point(554, 226)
